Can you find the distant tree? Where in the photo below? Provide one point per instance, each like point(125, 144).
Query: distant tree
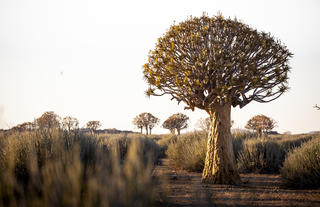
point(177, 122)
point(48, 120)
point(145, 120)
point(26, 126)
point(261, 124)
point(169, 124)
point(153, 121)
point(70, 123)
point(93, 126)
point(213, 64)
point(317, 107)
point(138, 122)
point(204, 124)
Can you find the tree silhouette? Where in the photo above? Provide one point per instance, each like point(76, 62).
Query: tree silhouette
point(317, 107)
point(138, 122)
point(93, 126)
point(146, 120)
point(213, 64)
point(70, 123)
point(177, 122)
point(261, 124)
point(48, 120)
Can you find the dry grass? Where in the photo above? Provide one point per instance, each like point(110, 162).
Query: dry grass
point(66, 169)
point(301, 169)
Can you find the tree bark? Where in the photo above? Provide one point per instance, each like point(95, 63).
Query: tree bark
point(146, 127)
point(178, 130)
point(220, 164)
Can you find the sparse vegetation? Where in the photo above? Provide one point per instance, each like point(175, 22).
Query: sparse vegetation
point(266, 155)
point(253, 154)
point(301, 168)
point(67, 169)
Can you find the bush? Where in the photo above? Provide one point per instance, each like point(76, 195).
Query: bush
point(301, 168)
point(188, 151)
point(64, 169)
point(266, 155)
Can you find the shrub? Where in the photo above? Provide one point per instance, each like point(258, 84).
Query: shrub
point(64, 169)
point(188, 151)
point(301, 168)
point(266, 155)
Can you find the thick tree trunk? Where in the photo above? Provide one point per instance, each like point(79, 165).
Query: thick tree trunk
point(141, 130)
point(150, 130)
point(178, 130)
point(220, 164)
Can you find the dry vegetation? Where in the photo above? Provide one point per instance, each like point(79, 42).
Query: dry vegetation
point(60, 168)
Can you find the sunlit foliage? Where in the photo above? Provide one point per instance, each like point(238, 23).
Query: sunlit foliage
point(204, 61)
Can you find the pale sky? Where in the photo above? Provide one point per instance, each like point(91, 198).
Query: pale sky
point(84, 59)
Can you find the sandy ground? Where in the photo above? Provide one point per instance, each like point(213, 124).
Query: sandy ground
point(185, 189)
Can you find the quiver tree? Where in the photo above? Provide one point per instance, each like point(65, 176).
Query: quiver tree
point(138, 122)
point(317, 107)
point(70, 123)
point(177, 122)
point(261, 124)
point(213, 64)
point(93, 126)
point(146, 120)
point(47, 121)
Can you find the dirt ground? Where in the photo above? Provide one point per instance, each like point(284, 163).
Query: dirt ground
point(183, 188)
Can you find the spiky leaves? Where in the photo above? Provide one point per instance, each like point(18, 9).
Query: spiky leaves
point(204, 61)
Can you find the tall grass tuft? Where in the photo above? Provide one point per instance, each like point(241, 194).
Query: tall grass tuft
point(266, 155)
point(73, 169)
point(188, 151)
point(301, 168)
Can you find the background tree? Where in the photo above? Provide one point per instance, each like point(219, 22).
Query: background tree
point(146, 120)
point(213, 64)
point(93, 126)
point(177, 122)
point(48, 120)
point(204, 124)
point(26, 126)
point(70, 123)
point(261, 124)
point(169, 124)
point(317, 107)
point(138, 122)
point(153, 121)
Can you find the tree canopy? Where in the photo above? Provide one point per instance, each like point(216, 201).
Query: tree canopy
point(48, 120)
point(204, 61)
point(146, 120)
point(177, 122)
point(261, 124)
point(93, 126)
point(70, 123)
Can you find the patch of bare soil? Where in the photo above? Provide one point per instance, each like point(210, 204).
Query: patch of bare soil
point(182, 188)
